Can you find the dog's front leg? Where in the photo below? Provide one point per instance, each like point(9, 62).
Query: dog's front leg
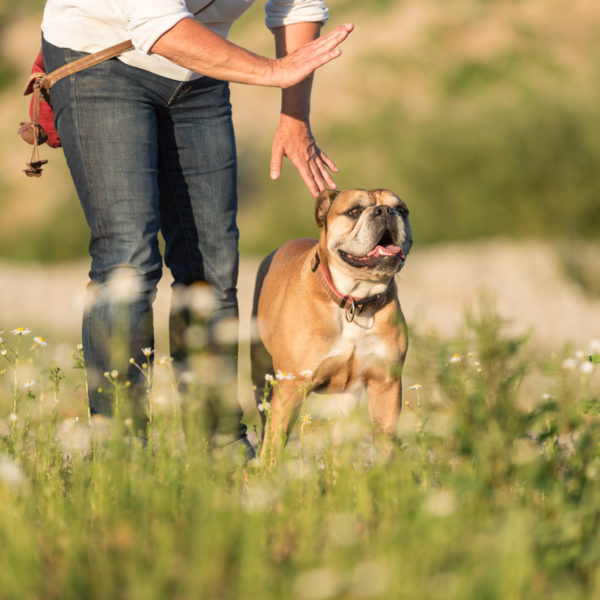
point(285, 406)
point(385, 403)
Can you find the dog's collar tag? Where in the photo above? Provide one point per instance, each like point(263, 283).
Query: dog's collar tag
point(350, 309)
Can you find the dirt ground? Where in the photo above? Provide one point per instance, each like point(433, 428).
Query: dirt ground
point(437, 286)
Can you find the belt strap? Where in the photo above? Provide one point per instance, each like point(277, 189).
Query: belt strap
point(85, 62)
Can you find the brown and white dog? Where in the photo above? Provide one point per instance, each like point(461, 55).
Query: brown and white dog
point(328, 311)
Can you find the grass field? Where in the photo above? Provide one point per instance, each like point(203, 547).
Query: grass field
point(490, 492)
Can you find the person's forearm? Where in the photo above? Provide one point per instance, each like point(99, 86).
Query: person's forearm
point(195, 47)
point(295, 100)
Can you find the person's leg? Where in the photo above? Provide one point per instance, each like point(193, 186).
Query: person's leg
point(198, 202)
point(109, 135)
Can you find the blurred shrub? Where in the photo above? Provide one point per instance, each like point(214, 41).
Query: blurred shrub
point(482, 137)
point(526, 169)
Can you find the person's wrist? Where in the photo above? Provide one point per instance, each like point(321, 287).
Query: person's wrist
point(294, 118)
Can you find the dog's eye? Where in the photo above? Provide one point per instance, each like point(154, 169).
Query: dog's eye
point(355, 212)
point(403, 210)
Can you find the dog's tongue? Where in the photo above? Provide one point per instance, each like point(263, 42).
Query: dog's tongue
point(390, 250)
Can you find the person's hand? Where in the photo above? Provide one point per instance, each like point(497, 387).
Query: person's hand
point(195, 47)
point(294, 139)
point(299, 64)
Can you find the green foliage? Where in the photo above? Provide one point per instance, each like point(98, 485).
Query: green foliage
point(523, 170)
point(491, 491)
point(7, 73)
point(63, 236)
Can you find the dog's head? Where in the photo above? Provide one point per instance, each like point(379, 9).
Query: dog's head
point(367, 234)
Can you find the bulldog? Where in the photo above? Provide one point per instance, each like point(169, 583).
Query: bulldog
point(327, 311)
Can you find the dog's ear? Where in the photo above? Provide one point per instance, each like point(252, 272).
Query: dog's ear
point(323, 204)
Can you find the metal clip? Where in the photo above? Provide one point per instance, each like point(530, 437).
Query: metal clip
point(350, 310)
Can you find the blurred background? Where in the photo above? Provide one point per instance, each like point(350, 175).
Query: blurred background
point(483, 115)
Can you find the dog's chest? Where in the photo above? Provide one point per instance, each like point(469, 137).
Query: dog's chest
point(355, 354)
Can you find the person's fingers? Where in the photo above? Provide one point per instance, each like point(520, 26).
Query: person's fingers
point(320, 174)
point(330, 164)
point(310, 182)
point(335, 36)
point(299, 64)
point(308, 174)
point(276, 160)
point(325, 175)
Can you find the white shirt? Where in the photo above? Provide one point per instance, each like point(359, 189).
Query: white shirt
point(91, 25)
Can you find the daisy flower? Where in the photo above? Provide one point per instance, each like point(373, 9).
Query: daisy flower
point(282, 375)
point(21, 331)
point(39, 341)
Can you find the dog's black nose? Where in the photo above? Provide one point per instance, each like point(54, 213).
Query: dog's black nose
point(382, 210)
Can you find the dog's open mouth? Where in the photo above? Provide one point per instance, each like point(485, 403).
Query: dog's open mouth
point(384, 250)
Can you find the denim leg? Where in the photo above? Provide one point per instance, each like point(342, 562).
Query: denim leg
point(147, 153)
point(198, 202)
point(108, 131)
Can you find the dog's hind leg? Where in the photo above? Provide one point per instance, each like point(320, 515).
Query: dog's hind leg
point(260, 360)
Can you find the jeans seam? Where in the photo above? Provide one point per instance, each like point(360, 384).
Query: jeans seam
point(82, 154)
point(177, 208)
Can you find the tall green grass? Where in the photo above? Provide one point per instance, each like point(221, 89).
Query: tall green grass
point(490, 492)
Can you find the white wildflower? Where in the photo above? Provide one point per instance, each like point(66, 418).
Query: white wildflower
point(11, 473)
point(282, 375)
point(187, 377)
point(21, 331)
point(586, 367)
point(441, 503)
point(318, 584)
point(569, 364)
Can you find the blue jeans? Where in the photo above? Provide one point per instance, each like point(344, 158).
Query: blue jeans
point(148, 154)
